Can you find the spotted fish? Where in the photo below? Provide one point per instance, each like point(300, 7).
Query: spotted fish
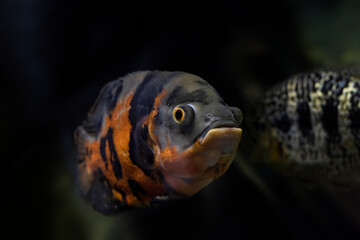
point(153, 136)
point(314, 125)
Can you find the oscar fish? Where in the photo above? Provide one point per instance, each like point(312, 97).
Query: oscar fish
point(152, 136)
point(313, 121)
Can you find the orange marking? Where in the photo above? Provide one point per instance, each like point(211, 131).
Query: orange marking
point(149, 120)
point(121, 126)
point(117, 195)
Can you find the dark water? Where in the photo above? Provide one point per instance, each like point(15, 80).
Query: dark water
point(56, 55)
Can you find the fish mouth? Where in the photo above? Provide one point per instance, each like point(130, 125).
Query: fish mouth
point(207, 159)
point(219, 143)
point(218, 125)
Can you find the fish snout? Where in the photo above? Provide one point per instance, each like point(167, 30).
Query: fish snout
point(237, 114)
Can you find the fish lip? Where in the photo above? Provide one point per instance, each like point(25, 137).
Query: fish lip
point(222, 123)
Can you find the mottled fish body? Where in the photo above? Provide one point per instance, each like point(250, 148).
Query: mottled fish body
point(313, 121)
point(154, 135)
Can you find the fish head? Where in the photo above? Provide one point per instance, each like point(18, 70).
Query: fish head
point(197, 134)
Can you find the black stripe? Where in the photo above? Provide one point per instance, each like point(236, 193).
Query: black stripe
point(136, 189)
point(329, 117)
point(145, 149)
point(114, 158)
point(102, 150)
point(141, 106)
point(123, 195)
point(330, 111)
point(304, 119)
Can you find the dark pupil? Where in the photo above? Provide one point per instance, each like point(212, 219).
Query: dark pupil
point(178, 115)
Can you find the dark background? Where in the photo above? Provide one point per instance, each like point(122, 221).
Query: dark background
point(56, 55)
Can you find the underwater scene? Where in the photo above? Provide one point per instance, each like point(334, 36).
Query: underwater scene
point(180, 119)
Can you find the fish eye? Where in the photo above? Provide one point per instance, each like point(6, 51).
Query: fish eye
point(183, 114)
point(179, 115)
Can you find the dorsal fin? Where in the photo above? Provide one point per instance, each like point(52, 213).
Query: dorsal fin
point(105, 103)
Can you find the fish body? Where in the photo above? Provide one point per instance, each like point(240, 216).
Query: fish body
point(153, 136)
point(313, 121)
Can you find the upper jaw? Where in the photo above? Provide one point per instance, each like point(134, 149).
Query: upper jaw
point(216, 124)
